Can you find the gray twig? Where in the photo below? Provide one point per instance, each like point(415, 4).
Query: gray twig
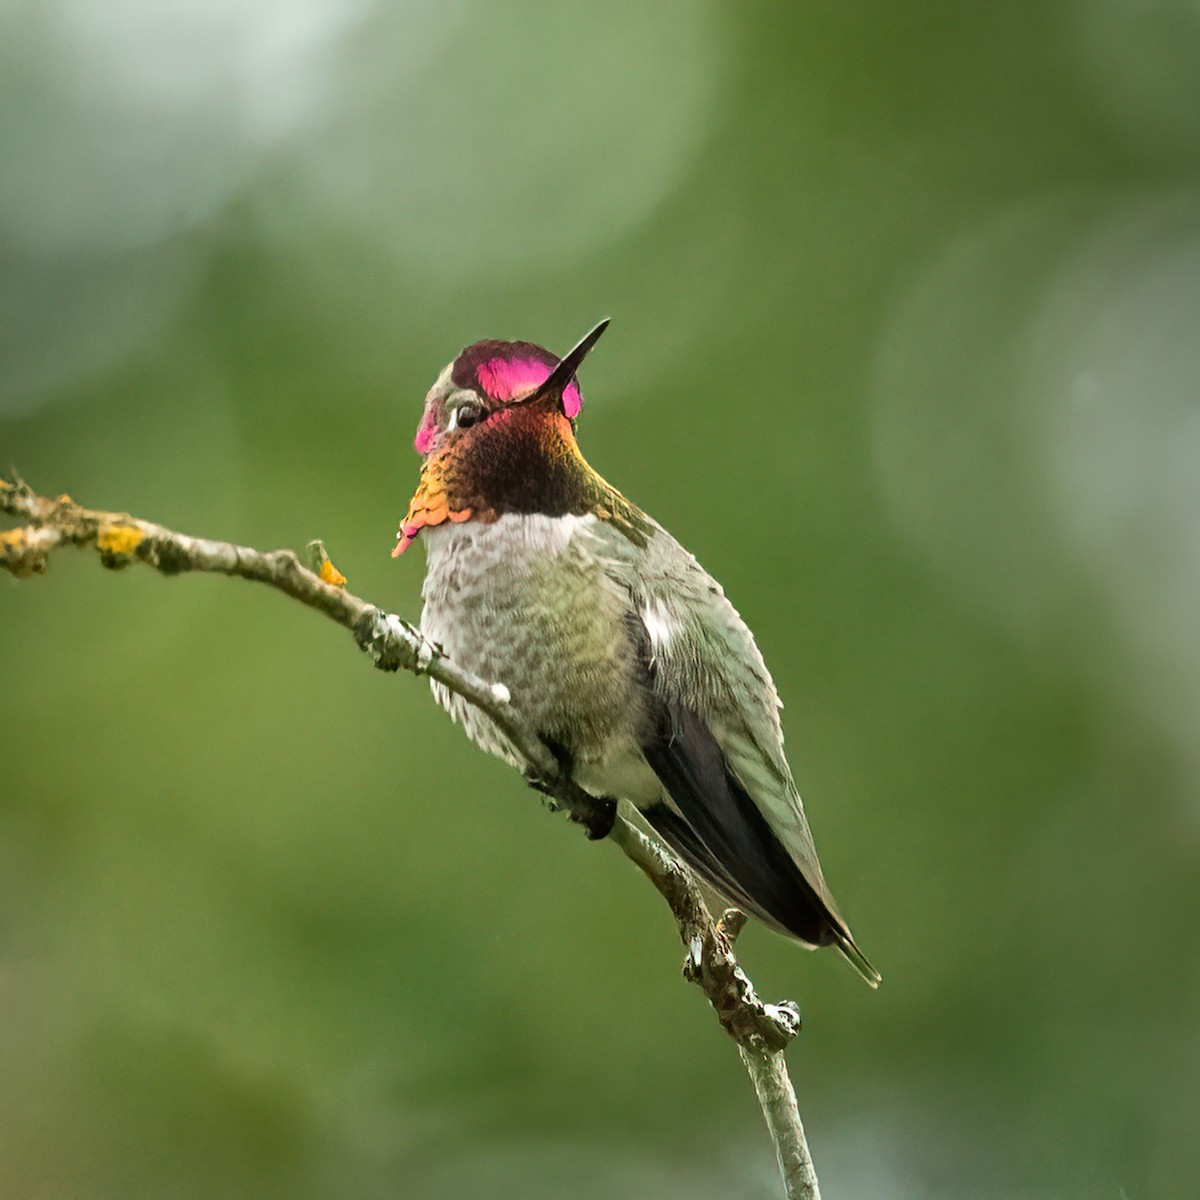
point(761, 1030)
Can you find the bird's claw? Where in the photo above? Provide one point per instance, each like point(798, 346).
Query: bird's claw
point(543, 788)
point(599, 823)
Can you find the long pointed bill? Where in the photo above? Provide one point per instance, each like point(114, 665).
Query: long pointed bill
point(562, 374)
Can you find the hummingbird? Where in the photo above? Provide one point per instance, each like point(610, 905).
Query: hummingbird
point(617, 647)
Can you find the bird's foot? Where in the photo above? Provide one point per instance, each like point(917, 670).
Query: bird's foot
point(598, 823)
point(544, 788)
point(597, 814)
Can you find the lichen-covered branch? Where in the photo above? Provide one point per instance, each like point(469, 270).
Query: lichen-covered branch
point(761, 1030)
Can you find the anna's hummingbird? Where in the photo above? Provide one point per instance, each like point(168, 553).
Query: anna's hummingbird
point(618, 648)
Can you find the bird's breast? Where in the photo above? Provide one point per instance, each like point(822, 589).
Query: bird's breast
point(526, 601)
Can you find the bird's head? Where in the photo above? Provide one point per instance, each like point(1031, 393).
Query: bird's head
point(498, 436)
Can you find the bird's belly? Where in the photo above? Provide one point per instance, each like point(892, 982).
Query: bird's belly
point(524, 602)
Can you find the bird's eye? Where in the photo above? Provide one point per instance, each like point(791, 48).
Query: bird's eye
point(468, 415)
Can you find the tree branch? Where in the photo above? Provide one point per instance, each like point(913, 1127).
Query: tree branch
point(761, 1030)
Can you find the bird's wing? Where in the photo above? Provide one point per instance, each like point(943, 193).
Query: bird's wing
point(717, 746)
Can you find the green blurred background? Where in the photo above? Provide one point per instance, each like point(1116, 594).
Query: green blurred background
point(906, 347)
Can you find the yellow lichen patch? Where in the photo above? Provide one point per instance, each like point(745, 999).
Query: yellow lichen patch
point(331, 575)
point(20, 554)
point(119, 540)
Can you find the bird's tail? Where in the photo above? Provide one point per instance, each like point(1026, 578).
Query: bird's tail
point(856, 958)
point(722, 833)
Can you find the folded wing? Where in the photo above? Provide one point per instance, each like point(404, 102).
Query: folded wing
point(714, 740)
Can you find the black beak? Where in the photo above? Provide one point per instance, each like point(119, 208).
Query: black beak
point(562, 374)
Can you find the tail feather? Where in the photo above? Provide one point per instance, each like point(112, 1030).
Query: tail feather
point(720, 832)
point(685, 842)
point(857, 959)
